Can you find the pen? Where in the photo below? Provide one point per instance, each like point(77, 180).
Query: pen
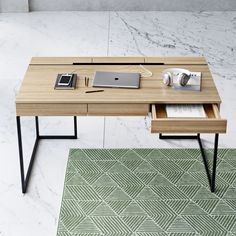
point(94, 91)
point(86, 81)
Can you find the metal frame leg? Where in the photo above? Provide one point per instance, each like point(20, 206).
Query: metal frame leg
point(25, 179)
point(210, 176)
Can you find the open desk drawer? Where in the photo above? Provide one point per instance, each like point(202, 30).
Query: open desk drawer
point(213, 123)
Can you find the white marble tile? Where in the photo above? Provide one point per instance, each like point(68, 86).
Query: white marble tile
point(81, 33)
point(174, 33)
point(25, 35)
point(154, 33)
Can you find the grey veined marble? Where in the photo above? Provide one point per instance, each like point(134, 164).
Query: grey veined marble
point(133, 5)
point(24, 35)
point(117, 5)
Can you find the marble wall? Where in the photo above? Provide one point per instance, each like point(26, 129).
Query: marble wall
point(14, 6)
point(116, 5)
point(134, 5)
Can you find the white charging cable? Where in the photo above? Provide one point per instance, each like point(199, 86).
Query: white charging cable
point(146, 73)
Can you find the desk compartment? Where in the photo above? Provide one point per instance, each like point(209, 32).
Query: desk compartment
point(50, 109)
point(107, 109)
point(213, 123)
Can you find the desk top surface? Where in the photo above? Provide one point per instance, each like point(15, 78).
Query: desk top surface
point(39, 80)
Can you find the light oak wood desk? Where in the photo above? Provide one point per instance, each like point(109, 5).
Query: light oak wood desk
point(37, 97)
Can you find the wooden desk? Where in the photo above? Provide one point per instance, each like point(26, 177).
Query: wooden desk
point(37, 97)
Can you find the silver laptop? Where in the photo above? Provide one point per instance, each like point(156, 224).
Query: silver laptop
point(116, 79)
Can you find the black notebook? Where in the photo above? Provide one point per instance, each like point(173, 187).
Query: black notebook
point(72, 84)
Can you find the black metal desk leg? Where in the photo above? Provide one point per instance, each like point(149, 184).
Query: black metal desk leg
point(210, 176)
point(75, 127)
point(214, 163)
point(74, 136)
point(25, 179)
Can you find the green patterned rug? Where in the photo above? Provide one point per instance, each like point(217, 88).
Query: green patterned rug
point(147, 192)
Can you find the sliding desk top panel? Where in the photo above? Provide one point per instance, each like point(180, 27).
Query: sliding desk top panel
point(38, 84)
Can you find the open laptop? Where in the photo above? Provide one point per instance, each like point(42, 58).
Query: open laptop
point(116, 80)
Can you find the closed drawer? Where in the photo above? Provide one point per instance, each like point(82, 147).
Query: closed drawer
point(50, 109)
point(213, 123)
point(118, 109)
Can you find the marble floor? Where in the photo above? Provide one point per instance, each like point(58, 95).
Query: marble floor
point(22, 36)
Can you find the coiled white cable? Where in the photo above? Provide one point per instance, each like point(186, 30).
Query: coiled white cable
point(146, 73)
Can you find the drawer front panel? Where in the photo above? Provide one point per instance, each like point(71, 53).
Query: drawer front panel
point(26, 109)
point(213, 123)
point(118, 109)
point(188, 126)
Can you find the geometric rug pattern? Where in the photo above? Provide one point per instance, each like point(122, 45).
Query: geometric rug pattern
point(147, 192)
